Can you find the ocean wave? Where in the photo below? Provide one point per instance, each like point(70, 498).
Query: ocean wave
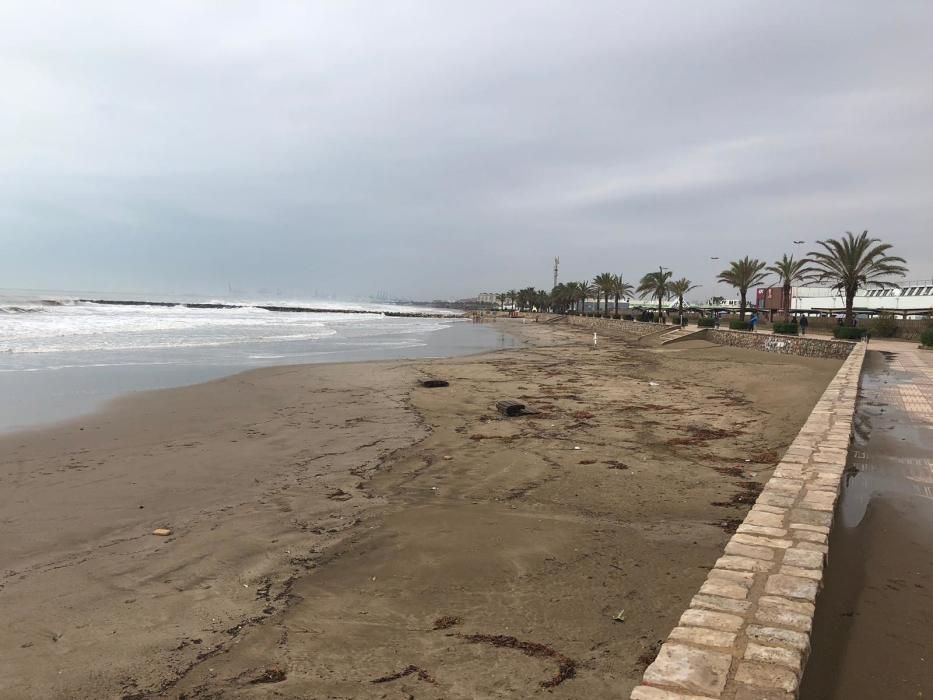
point(46, 325)
point(84, 366)
point(21, 309)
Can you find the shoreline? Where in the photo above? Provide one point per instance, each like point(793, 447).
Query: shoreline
point(76, 392)
point(282, 503)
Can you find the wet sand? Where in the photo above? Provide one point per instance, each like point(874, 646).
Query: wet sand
point(873, 631)
point(338, 533)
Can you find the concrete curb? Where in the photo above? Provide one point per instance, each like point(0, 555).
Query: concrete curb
point(746, 634)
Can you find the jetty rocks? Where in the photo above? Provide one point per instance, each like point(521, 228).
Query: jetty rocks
point(277, 309)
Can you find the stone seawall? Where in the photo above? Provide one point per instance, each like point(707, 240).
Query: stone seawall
point(746, 634)
point(612, 326)
point(786, 344)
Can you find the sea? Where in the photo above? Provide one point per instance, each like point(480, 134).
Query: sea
point(64, 353)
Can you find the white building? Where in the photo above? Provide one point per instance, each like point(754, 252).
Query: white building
point(487, 298)
point(912, 299)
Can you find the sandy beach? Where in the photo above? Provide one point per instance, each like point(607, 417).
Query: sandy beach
point(340, 532)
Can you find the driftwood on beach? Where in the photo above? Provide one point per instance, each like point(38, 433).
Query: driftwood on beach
point(510, 408)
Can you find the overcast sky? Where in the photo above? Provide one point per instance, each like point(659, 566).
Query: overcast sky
point(438, 149)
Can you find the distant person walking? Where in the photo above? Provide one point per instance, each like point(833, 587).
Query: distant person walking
point(753, 321)
point(804, 322)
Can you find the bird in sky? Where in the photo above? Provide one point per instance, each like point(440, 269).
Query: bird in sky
point(799, 241)
point(712, 258)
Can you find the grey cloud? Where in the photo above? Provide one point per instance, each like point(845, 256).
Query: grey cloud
point(440, 149)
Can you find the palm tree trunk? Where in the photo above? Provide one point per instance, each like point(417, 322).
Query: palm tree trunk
point(786, 300)
point(617, 305)
point(850, 300)
point(742, 304)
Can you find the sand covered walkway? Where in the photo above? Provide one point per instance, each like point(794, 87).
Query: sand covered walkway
point(339, 533)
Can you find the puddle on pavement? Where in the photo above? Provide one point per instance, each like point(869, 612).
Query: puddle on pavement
point(889, 455)
point(873, 631)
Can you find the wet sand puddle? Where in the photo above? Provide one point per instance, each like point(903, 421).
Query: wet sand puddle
point(873, 632)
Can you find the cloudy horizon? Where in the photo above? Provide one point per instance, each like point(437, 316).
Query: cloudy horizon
point(437, 150)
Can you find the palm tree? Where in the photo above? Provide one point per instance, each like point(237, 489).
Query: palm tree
point(559, 297)
point(520, 299)
point(512, 295)
point(789, 271)
point(593, 292)
point(852, 262)
point(743, 274)
point(656, 285)
point(678, 288)
point(603, 283)
point(583, 289)
point(621, 290)
point(501, 299)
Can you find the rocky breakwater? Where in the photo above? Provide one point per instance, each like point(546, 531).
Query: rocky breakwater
point(746, 634)
point(268, 307)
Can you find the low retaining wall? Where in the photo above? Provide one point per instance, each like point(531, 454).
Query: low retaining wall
point(786, 344)
point(612, 326)
point(746, 634)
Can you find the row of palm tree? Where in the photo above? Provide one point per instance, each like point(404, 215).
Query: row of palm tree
point(846, 264)
point(659, 285)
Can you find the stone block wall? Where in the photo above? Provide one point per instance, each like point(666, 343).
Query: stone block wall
point(746, 634)
point(612, 326)
point(786, 344)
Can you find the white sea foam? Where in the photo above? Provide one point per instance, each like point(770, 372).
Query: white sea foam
point(37, 324)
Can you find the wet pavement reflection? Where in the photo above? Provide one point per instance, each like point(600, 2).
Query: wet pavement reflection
point(873, 632)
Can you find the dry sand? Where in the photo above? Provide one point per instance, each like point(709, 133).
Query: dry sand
point(334, 526)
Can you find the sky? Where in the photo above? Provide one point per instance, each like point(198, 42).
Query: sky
point(438, 149)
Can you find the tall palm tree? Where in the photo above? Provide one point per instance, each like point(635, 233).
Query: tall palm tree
point(603, 283)
point(789, 271)
point(583, 290)
point(852, 262)
point(743, 274)
point(678, 288)
point(512, 295)
point(655, 285)
point(501, 299)
point(621, 290)
point(594, 291)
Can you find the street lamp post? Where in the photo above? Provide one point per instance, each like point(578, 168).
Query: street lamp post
point(790, 302)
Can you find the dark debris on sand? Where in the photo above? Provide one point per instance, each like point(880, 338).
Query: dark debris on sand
point(567, 667)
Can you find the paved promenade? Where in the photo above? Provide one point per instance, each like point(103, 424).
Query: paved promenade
point(873, 631)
